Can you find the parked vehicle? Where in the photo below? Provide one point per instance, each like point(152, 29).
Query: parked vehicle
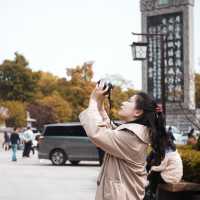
point(62, 142)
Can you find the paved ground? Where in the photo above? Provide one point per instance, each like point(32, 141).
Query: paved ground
point(30, 179)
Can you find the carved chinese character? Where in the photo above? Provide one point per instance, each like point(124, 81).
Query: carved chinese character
point(150, 72)
point(177, 35)
point(164, 21)
point(171, 52)
point(171, 71)
point(170, 62)
point(177, 28)
point(171, 20)
point(178, 43)
point(178, 54)
point(170, 44)
point(178, 62)
point(170, 36)
point(178, 19)
point(178, 71)
point(171, 27)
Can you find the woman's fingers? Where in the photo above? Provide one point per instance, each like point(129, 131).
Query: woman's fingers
point(102, 87)
point(106, 89)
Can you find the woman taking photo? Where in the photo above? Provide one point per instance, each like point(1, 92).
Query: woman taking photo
point(123, 175)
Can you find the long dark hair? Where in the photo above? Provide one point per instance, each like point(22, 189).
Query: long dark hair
point(156, 122)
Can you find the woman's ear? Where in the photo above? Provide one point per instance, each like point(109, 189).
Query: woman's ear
point(138, 113)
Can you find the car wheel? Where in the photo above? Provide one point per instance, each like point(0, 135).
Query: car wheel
point(74, 162)
point(58, 157)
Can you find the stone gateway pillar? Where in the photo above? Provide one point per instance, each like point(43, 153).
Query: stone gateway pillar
point(174, 18)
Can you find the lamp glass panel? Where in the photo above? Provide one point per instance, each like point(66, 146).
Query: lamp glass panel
point(141, 52)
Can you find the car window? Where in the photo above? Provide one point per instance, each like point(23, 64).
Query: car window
point(77, 131)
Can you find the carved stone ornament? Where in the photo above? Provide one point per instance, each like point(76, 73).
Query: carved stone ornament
point(147, 5)
point(150, 5)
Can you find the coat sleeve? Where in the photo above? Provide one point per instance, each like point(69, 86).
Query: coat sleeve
point(112, 141)
point(161, 167)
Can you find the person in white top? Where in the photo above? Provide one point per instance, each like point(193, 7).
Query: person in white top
point(27, 138)
point(170, 169)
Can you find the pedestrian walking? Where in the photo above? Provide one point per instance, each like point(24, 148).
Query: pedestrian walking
point(14, 139)
point(6, 142)
point(27, 139)
point(123, 174)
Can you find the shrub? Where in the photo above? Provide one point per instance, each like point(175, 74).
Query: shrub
point(198, 144)
point(191, 163)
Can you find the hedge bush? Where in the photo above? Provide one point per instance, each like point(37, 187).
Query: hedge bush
point(198, 144)
point(191, 163)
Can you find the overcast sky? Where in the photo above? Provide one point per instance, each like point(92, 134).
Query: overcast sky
point(56, 34)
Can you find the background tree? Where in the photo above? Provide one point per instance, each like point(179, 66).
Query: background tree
point(51, 99)
point(43, 114)
point(61, 108)
point(17, 81)
point(78, 88)
point(16, 113)
point(47, 84)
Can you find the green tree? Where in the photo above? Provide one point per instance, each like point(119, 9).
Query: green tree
point(16, 113)
point(17, 81)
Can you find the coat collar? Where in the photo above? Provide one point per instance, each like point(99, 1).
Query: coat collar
point(141, 131)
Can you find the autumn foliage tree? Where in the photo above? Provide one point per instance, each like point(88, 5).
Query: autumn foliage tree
point(78, 88)
point(43, 114)
point(51, 99)
point(61, 108)
point(47, 84)
point(16, 113)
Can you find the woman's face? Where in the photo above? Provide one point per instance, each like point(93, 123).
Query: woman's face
point(128, 109)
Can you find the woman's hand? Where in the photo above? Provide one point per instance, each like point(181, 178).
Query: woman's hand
point(98, 94)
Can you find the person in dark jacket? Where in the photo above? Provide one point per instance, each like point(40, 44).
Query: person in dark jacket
point(14, 139)
point(6, 142)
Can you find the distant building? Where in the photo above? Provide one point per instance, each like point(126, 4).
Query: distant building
point(29, 120)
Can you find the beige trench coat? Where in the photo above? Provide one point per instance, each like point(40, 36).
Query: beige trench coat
point(123, 174)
